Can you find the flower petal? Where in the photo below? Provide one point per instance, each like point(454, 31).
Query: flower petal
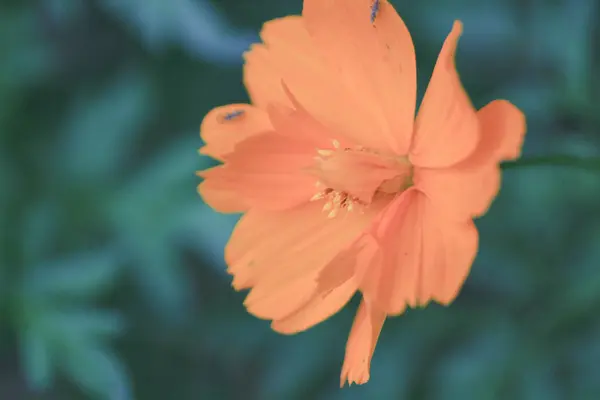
point(503, 129)
point(221, 200)
point(262, 79)
point(447, 128)
point(424, 255)
point(467, 189)
point(281, 254)
point(321, 306)
point(318, 87)
point(296, 123)
point(361, 344)
point(376, 60)
point(461, 192)
point(449, 249)
point(336, 284)
point(224, 127)
point(391, 281)
point(266, 171)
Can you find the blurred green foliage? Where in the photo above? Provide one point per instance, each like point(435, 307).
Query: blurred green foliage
point(112, 282)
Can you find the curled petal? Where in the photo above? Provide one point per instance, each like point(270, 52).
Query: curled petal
point(467, 189)
point(447, 128)
point(463, 192)
point(503, 129)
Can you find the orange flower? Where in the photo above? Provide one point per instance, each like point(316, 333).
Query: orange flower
point(341, 188)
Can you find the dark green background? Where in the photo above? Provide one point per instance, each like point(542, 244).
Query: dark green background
point(112, 283)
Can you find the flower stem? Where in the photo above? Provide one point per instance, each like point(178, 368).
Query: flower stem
point(586, 163)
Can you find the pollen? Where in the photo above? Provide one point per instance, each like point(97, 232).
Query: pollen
point(338, 201)
point(349, 178)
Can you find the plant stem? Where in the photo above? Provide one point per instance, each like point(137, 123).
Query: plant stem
point(587, 163)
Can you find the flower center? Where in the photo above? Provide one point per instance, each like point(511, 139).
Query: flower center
point(351, 178)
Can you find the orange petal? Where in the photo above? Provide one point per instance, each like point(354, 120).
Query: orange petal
point(503, 129)
point(424, 255)
point(336, 284)
point(449, 249)
point(322, 305)
point(224, 127)
point(375, 60)
point(461, 192)
point(391, 282)
point(299, 125)
point(446, 129)
point(281, 254)
point(318, 87)
point(361, 344)
point(266, 171)
point(262, 79)
point(467, 189)
point(221, 200)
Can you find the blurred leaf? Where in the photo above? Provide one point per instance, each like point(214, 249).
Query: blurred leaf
point(39, 230)
point(85, 275)
point(566, 46)
point(308, 356)
point(164, 283)
point(97, 371)
point(538, 378)
point(146, 216)
point(490, 27)
point(61, 337)
point(579, 294)
point(25, 58)
point(584, 354)
point(476, 368)
point(63, 11)
point(101, 128)
point(68, 325)
point(208, 232)
point(194, 25)
point(36, 359)
point(8, 183)
point(171, 173)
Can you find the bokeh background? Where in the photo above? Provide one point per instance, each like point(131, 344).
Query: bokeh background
point(112, 278)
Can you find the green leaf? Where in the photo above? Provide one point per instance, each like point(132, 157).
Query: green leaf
point(475, 368)
point(36, 359)
point(195, 26)
point(101, 129)
point(84, 275)
point(163, 282)
point(57, 337)
point(39, 230)
point(97, 371)
point(146, 224)
point(72, 324)
point(207, 232)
